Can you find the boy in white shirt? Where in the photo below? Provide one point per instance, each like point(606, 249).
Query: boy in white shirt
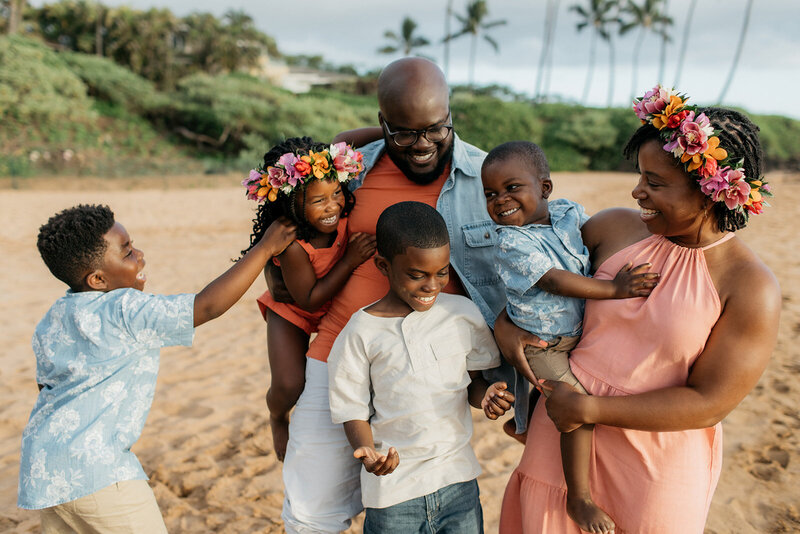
point(400, 375)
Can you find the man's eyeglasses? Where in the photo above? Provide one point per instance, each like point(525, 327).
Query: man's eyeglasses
point(434, 134)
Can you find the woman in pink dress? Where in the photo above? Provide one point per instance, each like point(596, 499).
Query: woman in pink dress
point(662, 371)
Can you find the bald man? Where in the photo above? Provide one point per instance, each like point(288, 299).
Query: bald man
point(418, 158)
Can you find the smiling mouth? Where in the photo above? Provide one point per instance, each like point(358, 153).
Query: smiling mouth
point(645, 213)
point(421, 159)
point(426, 300)
point(508, 212)
point(329, 220)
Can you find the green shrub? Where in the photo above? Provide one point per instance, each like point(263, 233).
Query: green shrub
point(38, 87)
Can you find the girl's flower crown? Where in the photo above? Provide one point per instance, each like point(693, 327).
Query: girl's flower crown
point(691, 138)
point(337, 162)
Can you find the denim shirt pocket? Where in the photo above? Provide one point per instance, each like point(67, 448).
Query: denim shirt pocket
point(480, 239)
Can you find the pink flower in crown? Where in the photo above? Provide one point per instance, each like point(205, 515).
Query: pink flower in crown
point(653, 101)
point(694, 134)
point(738, 191)
point(287, 161)
point(346, 161)
point(712, 185)
point(277, 176)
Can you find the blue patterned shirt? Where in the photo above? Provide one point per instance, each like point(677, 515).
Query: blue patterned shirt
point(525, 253)
point(97, 360)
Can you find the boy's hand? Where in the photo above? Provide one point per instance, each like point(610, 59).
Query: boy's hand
point(376, 463)
point(497, 400)
point(360, 248)
point(634, 282)
point(278, 236)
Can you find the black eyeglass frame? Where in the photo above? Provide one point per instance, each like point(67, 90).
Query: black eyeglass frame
point(417, 133)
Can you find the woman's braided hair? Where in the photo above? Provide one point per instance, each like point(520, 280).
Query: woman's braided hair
point(291, 206)
point(740, 138)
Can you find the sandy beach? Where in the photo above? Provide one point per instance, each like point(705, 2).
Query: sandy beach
point(207, 445)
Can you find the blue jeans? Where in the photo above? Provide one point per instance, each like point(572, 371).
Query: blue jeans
point(453, 509)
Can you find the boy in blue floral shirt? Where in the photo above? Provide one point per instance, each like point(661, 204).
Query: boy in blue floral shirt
point(544, 265)
point(97, 352)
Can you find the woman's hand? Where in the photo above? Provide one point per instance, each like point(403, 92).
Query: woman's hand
point(512, 340)
point(564, 405)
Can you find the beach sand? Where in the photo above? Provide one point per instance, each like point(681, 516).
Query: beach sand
point(207, 445)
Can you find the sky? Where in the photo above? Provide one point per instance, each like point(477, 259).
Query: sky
point(351, 31)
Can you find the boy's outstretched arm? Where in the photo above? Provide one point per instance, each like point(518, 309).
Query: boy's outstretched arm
point(629, 282)
point(359, 434)
point(494, 399)
point(218, 296)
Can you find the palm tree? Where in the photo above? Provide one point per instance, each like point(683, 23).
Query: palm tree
point(685, 42)
point(546, 55)
point(647, 17)
point(473, 24)
point(600, 15)
point(14, 10)
point(663, 30)
point(406, 41)
point(738, 53)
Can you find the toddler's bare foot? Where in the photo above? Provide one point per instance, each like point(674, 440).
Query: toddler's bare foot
point(511, 429)
point(280, 434)
point(589, 516)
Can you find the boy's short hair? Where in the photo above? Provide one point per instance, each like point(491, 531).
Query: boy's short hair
point(71, 242)
point(409, 224)
point(531, 153)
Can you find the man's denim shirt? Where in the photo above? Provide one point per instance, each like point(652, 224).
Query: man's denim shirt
point(472, 232)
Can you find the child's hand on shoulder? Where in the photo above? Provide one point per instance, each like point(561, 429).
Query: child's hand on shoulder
point(360, 248)
point(497, 400)
point(376, 463)
point(278, 236)
point(634, 281)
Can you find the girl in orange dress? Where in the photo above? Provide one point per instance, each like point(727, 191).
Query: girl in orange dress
point(663, 371)
point(305, 182)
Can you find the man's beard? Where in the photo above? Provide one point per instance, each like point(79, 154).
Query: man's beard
point(428, 177)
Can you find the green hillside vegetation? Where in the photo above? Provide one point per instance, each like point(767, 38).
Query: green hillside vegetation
point(71, 113)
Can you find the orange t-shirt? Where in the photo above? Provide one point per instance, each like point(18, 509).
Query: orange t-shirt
point(384, 185)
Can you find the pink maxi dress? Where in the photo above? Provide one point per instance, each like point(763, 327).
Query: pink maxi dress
point(648, 482)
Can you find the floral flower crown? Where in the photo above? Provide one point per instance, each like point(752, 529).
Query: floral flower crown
point(337, 162)
point(691, 138)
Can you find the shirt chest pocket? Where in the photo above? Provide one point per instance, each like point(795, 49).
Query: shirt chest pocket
point(480, 239)
point(450, 352)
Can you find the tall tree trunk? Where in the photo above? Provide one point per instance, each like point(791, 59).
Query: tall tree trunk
point(610, 99)
point(447, 17)
point(548, 29)
point(15, 8)
point(473, 48)
point(662, 60)
point(738, 54)
point(635, 67)
point(685, 42)
point(98, 30)
point(588, 85)
point(549, 66)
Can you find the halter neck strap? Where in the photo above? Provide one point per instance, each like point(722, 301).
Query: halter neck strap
point(719, 241)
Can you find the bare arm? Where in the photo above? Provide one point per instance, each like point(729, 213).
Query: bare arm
point(736, 354)
point(309, 292)
point(359, 434)
point(218, 296)
point(360, 136)
point(629, 282)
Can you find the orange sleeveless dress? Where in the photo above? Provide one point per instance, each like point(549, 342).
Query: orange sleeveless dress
point(322, 260)
point(648, 482)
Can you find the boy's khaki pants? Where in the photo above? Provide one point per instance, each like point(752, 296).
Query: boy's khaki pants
point(127, 507)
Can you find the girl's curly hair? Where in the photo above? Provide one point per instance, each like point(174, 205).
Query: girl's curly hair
point(291, 206)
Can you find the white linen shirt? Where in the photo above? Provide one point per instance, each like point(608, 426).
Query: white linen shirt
point(97, 359)
point(408, 377)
